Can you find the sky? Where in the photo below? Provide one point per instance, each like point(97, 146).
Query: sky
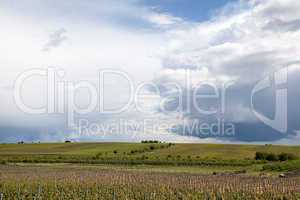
point(196, 11)
point(223, 71)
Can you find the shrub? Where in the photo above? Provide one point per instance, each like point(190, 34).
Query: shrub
point(152, 147)
point(283, 156)
point(284, 166)
point(272, 157)
point(3, 162)
point(98, 155)
point(260, 156)
point(150, 141)
point(144, 157)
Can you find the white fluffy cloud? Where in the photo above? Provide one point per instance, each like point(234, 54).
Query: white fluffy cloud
point(164, 19)
point(80, 43)
point(259, 37)
point(245, 42)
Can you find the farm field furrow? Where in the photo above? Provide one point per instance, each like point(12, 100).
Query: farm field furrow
point(44, 182)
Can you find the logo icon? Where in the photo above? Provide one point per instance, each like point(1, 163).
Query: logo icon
point(278, 81)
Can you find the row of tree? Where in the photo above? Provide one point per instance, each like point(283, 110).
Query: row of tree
point(274, 157)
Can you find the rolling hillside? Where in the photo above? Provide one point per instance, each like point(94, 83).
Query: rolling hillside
point(212, 151)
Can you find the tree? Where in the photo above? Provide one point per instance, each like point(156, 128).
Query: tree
point(260, 156)
point(272, 157)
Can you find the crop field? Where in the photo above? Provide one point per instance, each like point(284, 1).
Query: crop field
point(44, 182)
point(147, 171)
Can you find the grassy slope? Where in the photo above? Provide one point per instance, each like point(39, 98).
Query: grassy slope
point(219, 151)
point(205, 158)
point(66, 148)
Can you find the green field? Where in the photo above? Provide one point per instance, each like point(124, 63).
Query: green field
point(146, 171)
point(199, 157)
point(211, 151)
